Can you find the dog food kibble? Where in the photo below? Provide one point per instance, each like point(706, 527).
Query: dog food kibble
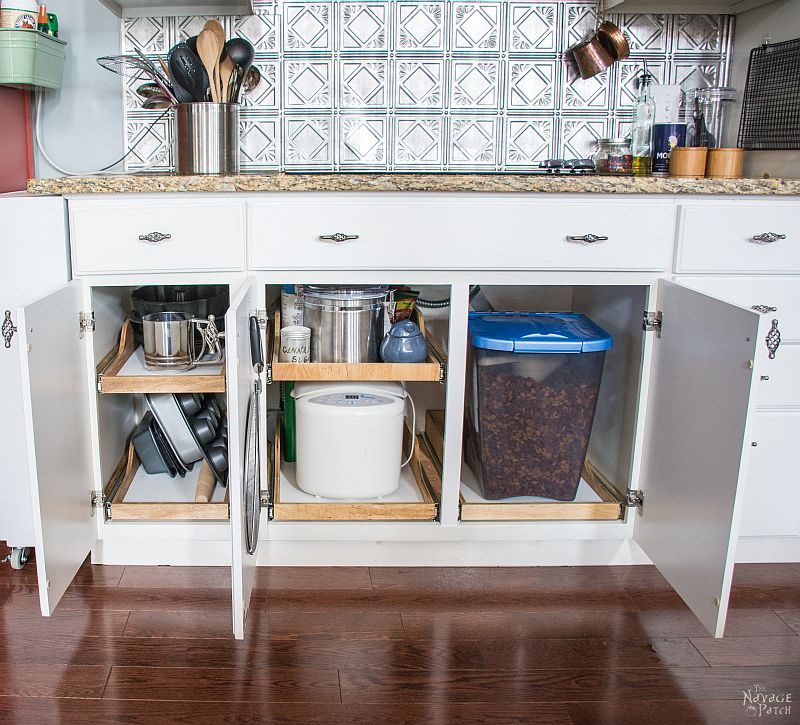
point(534, 433)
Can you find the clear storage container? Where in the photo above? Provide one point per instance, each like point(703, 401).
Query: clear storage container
point(532, 390)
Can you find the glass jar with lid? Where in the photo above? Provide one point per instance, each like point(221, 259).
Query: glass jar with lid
point(715, 103)
point(613, 156)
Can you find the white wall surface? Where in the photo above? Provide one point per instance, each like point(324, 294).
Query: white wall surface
point(781, 21)
point(82, 124)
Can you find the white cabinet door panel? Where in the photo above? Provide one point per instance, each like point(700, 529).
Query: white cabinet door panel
point(771, 504)
point(57, 426)
point(240, 380)
point(35, 261)
point(459, 232)
point(693, 456)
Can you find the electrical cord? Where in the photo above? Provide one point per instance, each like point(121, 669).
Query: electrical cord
point(439, 304)
point(105, 169)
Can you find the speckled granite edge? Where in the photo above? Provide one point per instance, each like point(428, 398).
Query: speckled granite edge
point(505, 183)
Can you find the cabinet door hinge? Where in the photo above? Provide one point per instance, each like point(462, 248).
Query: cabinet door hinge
point(97, 499)
point(651, 322)
point(87, 323)
point(261, 315)
point(635, 498)
point(267, 504)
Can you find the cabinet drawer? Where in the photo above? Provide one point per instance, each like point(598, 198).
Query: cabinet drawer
point(771, 504)
point(783, 293)
point(721, 237)
point(781, 389)
point(458, 232)
point(107, 236)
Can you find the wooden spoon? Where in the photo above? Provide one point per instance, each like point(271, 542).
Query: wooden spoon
point(208, 49)
point(225, 73)
point(219, 32)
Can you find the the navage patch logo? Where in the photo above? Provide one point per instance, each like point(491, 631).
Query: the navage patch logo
point(760, 702)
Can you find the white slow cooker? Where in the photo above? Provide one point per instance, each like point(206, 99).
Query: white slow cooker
point(349, 438)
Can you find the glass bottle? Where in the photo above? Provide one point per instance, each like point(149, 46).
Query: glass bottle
point(642, 131)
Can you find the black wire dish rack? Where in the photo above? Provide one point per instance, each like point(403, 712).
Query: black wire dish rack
point(771, 106)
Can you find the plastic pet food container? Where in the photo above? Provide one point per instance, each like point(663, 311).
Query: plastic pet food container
point(533, 382)
point(31, 58)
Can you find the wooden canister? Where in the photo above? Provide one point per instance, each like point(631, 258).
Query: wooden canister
point(688, 162)
point(725, 163)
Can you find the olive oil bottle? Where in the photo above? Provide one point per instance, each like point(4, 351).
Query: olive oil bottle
point(642, 131)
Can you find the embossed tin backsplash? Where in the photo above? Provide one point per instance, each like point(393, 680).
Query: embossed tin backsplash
point(441, 85)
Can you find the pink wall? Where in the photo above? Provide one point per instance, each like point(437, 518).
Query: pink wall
point(16, 152)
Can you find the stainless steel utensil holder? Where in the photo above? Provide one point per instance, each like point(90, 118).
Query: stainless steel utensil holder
point(207, 137)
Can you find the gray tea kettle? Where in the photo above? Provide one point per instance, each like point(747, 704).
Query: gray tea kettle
point(404, 343)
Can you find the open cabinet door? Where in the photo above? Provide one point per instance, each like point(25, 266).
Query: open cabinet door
point(57, 432)
point(695, 444)
point(241, 379)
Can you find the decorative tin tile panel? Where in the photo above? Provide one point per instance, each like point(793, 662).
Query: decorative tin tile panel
point(532, 27)
point(419, 83)
point(428, 85)
point(150, 35)
point(529, 141)
point(419, 26)
point(308, 142)
point(362, 140)
point(474, 84)
point(363, 26)
point(362, 83)
point(307, 27)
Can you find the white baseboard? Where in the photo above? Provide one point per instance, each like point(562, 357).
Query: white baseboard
point(768, 549)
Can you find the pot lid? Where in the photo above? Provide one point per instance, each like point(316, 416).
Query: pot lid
point(346, 292)
point(405, 328)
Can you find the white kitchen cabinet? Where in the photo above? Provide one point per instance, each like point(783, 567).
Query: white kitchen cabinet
point(681, 449)
point(718, 255)
point(35, 261)
point(66, 423)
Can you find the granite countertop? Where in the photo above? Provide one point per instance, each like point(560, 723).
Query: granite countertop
point(521, 183)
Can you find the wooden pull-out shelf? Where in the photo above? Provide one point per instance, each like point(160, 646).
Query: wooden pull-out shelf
point(414, 501)
point(123, 371)
point(432, 370)
point(133, 495)
point(596, 499)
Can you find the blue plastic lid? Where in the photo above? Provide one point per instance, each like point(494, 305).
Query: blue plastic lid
point(287, 288)
point(553, 332)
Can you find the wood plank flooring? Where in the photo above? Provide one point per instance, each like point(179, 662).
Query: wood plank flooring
point(562, 646)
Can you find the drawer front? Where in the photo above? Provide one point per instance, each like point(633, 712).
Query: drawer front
point(782, 293)
point(771, 504)
point(157, 236)
point(782, 386)
point(780, 383)
point(724, 237)
point(459, 233)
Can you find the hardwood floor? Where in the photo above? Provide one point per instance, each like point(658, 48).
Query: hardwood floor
point(563, 646)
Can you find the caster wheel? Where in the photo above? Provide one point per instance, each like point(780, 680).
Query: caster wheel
point(18, 557)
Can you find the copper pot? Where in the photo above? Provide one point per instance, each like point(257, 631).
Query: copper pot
point(590, 56)
point(613, 40)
